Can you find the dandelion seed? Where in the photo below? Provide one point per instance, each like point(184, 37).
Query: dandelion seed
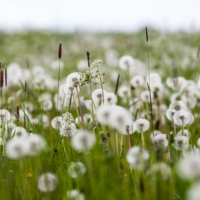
point(119, 118)
point(128, 128)
point(183, 118)
point(16, 148)
point(170, 114)
point(126, 62)
point(124, 92)
point(57, 122)
point(47, 182)
point(178, 105)
point(97, 96)
point(68, 130)
point(141, 125)
point(83, 140)
point(36, 144)
point(137, 158)
point(162, 169)
point(4, 116)
point(82, 65)
point(193, 192)
point(68, 89)
point(75, 195)
point(189, 168)
point(180, 143)
point(111, 98)
point(145, 97)
point(185, 133)
point(104, 114)
point(160, 141)
point(73, 79)
point(137, 81)
point(19, 132)
point(76, 169)
point(155, 133)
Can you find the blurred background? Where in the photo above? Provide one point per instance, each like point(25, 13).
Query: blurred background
point(99, 15)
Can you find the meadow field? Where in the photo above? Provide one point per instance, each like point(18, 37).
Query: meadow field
point(99, 116)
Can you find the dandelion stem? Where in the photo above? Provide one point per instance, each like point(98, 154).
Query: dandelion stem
point(142, 137)
point(71, 146)
point(76, 110)
point(80, 108)
point(174, 129)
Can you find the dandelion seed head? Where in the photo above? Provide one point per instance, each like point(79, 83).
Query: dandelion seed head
point(145, 96)
point(141, 125)
point(137, 157)
point(73, 78)
point(111, 98)
point(57, 122)
point(180, 143)
point(47, 182)
point(160, 141)
point(137, 81)
point(68, 130)
point(189, 167)
point(83, 140)
point(183, 118)
point(75, 195)
point(19, 132)
point(124, 92)
point(76, 169)
point(126, 62)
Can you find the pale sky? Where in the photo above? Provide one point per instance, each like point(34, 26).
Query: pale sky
point(99, 15)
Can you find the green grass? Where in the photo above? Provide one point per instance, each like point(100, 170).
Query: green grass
point(108, 175)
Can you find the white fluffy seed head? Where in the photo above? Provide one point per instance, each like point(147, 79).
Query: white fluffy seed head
point(57, 122)
point(189, 167)
point(111, 98)
point(104, 114)
point(180, 143)
point(178, 105)
point(145, 96)
point(68, 130)
point(82, 65)
point(19, 132)
point(183, 118)
point(170, 114)
point(193, 192)
point(97, 96)
point(119, 118)
point(160, 168)
point(154, 134)
point(16, 148)
point(137, 81)
point(141, 125)
point(83, 140)
point(76, 169)
point(75, 195)
point(137, 157)
point(73, 79)
point(36, 144)
point(160, 141)
point(126, 62)
point(4, 116)
point(185, 133)
point(176, 84)
point(69, 89)
point(124, 91)
point(47, 182)
point(129, 128)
